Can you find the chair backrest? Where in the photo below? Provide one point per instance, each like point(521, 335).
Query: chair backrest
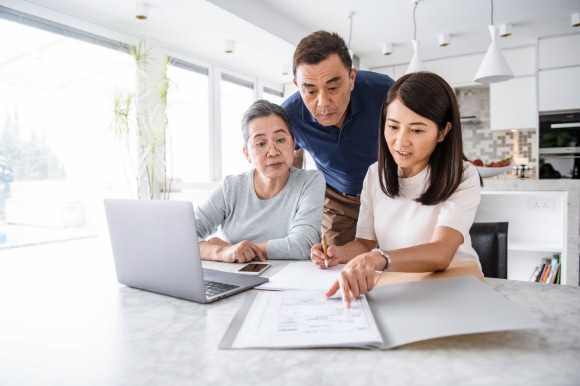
point(489, 239)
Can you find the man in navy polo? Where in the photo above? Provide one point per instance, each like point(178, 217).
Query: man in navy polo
point(335, 117)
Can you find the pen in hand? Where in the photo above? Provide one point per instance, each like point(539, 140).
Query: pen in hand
point(325, 247)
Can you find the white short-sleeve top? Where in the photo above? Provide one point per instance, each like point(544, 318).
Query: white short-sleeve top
point(401, 222)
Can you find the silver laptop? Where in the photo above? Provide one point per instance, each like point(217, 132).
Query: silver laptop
point(155, 248)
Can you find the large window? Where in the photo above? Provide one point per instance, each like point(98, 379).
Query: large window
point(56, 103)
point(272, 95)
point(236, 97)
point(188, 122)
point(58, 87)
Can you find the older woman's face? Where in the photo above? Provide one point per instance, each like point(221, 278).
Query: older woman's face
point(270, 146)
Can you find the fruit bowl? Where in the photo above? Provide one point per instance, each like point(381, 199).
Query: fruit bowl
point(486, 172)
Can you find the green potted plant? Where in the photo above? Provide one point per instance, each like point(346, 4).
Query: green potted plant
point(140, 123)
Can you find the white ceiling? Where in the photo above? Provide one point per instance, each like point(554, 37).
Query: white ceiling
point(266, 31)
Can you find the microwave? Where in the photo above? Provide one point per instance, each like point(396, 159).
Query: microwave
point(559, 145)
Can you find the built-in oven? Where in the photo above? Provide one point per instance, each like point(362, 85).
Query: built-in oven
point(559, 140)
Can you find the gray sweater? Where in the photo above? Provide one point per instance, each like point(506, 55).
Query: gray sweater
point(290, 221)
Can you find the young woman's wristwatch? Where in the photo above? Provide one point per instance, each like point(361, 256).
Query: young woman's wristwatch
point(387, 257)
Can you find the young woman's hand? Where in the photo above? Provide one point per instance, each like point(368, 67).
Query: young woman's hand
point(336, 255)
point(357, 278)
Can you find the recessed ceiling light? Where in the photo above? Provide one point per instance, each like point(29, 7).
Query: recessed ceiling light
point(142, 11)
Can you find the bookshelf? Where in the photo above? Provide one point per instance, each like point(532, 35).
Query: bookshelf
point(538, 227)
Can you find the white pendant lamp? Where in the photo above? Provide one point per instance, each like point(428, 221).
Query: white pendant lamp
point(494, 67)
point(416, 63)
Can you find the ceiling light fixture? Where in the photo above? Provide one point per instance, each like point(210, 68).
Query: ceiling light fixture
point(443, 40)
point(142, 11)
point(576, 19)
point(229, 46)
point(349, 15)
point(387, 49)
point(505, 30)
point(416, 64)
point(494, 67)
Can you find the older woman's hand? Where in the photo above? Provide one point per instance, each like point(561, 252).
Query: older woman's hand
point(336, 255)
point(242, 252)
point(357, 278)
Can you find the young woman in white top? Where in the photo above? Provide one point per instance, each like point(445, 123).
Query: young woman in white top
point(419, 200)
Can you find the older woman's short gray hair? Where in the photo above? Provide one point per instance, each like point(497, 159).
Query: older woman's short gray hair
point(259, 109)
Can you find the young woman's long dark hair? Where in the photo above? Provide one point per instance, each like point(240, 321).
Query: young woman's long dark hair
point(430, 96)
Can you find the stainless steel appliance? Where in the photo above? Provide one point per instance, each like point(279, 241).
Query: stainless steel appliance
point(559, 139)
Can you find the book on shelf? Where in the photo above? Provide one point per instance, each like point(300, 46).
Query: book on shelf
point(535, 273)
point(557, 256)
point(548, 271)
point(542, 270)
point(386, 317)
point(554, 274)
point(553, 269)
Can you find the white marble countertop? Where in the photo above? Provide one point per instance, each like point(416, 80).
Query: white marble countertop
point(66, 321)
point(530, 184)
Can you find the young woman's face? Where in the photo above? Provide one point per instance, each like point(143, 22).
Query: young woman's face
point(411, 138)
point(270, 146)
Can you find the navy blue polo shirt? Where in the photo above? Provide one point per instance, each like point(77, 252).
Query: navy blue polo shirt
point(343, 156)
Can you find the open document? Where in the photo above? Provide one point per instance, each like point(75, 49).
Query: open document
point(302, 275)
point(387, 317)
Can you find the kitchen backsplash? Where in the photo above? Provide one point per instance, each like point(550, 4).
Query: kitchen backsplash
point(479, 141)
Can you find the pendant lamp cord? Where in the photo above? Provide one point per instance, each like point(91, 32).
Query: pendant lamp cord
point(350, 31)
point(491, 12)
point(415, 22)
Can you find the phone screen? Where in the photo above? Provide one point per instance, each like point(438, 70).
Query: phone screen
point(254, 268)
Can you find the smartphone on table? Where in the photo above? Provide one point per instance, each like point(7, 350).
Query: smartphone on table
point(253, 268)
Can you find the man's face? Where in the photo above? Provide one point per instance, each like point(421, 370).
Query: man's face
point(325, 89)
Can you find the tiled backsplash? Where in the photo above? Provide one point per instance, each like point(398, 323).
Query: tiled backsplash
point(481, 142)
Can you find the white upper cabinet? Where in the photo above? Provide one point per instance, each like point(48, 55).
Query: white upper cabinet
point(559, 73)
point(560, 51)
point(560, 89)
point(513, 104)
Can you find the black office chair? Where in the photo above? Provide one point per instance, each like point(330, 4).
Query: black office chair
point(489, 239)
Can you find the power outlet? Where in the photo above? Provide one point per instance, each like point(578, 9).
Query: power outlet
point(535, 203)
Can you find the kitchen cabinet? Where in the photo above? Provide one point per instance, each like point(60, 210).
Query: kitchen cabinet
point(513, 104)
point(559, 89)
point(558, 51)
point(559, 73)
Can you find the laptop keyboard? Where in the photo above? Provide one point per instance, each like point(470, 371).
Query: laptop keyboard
point(213, 288)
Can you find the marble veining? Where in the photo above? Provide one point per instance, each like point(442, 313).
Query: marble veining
point(86, 329)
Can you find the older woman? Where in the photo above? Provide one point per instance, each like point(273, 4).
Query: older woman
point(272, 211)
